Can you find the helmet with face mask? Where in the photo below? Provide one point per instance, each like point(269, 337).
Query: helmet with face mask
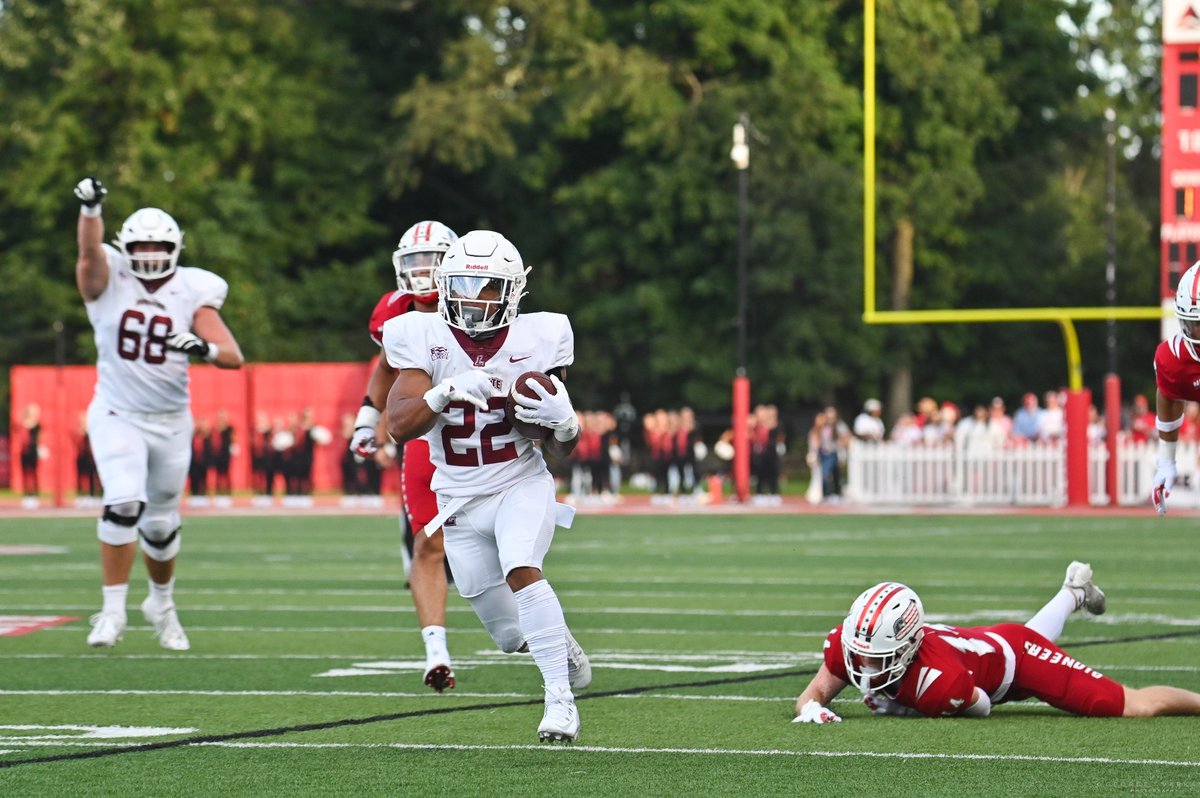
point(480, 283)
point(1187, 308)
point(417, 257)
point(151, 226)
point(881, 635)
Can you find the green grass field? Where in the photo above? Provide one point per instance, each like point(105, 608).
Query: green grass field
point(304, 673)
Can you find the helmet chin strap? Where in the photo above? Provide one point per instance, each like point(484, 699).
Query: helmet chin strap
point(1191, 348)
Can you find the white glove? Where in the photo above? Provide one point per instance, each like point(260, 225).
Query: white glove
point(882, 705)
point(192, 344)
point(551, 410)
point(1164, 480)
point(474, 386)
point(363, 444)
point(813, 712)
point(90, 192)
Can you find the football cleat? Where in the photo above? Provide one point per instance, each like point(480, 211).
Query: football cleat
point(560, 723)
point(438, 674)
point(579, 667)
point(1079, 581)
point(166, 625)
point(107, 629)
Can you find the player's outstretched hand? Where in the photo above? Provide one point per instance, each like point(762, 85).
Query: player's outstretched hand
point(90, 191)
point(813, 712)
point(1164, 481)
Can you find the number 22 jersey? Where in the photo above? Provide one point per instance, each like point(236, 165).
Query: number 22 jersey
point(476, 452)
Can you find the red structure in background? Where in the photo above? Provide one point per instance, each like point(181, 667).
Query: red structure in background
point(273, 390)
point(1180, 222)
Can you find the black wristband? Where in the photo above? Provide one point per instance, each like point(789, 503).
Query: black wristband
point(368, 403)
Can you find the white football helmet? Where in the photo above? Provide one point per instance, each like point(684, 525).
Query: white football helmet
point(480, 283)
point(151, 225)
point(417, 256)
point(1187, 307)
point(881, 635)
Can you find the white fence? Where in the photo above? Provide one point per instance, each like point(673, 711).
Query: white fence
point(1031, 474)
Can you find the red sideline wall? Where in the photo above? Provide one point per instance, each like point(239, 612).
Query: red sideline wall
point(266, 391)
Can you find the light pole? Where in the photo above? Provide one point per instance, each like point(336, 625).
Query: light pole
point(1110, 214)
point(1112, 382)
point(740, 155)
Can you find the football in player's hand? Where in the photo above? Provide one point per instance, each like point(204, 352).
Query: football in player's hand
point(534, 432)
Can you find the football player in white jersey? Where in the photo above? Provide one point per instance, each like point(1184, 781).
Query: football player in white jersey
point(495, 494)
point(149, 316)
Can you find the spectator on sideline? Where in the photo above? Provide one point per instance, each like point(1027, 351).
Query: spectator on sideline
point(1052, 426)
point(868, 425)
point(1027, 421)
point(1142, 421)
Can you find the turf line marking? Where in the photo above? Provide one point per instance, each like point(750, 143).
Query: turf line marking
point(336, 724)
point(742, 679)
point(425, 695)
point(601, 749)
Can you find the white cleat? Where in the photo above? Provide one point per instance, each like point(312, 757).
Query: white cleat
point(438, 674)
point(107, 629)
point(1079, 580)
point(560, 723)
point(166, 625)
point(579, 667)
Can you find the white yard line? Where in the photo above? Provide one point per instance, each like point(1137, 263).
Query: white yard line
point(767, 752)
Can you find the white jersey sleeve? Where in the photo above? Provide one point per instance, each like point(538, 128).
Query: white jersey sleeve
point(476, 452)
point(135, 371)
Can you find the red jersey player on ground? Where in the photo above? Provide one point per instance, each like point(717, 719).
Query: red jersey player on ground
point(904, 666)
point(1177, 375)
point(417, 255)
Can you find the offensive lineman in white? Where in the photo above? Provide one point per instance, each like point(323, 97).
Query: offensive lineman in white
point(149, 315)
point(495, 495)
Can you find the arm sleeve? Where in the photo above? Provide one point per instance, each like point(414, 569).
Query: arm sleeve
point(1166, 366)
point(981, 708)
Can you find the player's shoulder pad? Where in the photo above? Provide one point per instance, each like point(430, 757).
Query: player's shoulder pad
point(209, 288)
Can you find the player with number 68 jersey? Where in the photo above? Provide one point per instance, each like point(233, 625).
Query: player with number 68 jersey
point(150, 316)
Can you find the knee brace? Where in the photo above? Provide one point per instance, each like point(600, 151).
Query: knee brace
point(497, 610)
point(160, 538)
point(116, 524)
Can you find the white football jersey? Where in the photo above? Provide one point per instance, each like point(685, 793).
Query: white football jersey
point(477, 453)
point(135, 370)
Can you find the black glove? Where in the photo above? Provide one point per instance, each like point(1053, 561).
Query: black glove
point(91, 192)
point(191, 344)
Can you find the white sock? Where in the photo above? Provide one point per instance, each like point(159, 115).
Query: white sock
point(162, 594)
point(114, 598)
point(435, 641)
point(545, 631)
point(1050, 619)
